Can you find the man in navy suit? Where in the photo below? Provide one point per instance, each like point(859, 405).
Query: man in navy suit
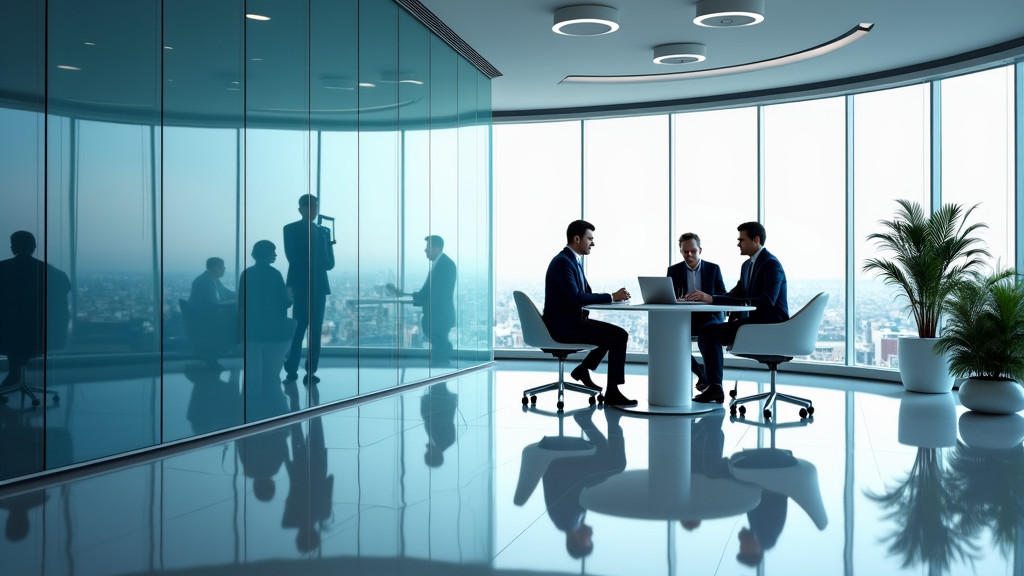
point(695, 274)
point(310, 254)
point(762, 284)
point(566, 292)
point(437, 298)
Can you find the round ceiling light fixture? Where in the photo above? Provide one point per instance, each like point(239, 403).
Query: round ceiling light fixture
point(729, 13)
point(585, 20)
point(687, 53)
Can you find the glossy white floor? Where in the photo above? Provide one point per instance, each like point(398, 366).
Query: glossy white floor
point(457, 478)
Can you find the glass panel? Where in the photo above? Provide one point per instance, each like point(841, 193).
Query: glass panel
point(202, 191)
point(890, 161)
point(334, 100)
point(414, 118)
point(102, 229)
point(626, 179)
point(977, 154)
point(470, 198)
point(379, 158)
point(805, 170)
point(715, 183)
point(277, 150)
point(526, 239)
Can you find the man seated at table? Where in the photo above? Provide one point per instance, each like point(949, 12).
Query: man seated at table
point(694, 274)
point(762, 284)
point(566, 292)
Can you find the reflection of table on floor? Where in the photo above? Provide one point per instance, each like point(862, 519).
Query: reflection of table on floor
point(669, 490)
point(668, 355)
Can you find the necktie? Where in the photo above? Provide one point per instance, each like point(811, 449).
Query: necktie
point(746, 276)
point(583, 282)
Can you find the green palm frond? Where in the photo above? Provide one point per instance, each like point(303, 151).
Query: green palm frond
point(928, 256)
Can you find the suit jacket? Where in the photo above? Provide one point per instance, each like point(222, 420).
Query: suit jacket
point(34, 311)
point(566, 292)
point(766, 290)
point(710, 282)
point(310, 254)
point(437, 296)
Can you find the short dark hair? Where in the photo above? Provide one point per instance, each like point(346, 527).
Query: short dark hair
point(577, 228)
point(689, 236)
point(263, 249)
point(753, 229)
point(23, 242)
point(214, 262)
point(435, 240)
point(307, 199)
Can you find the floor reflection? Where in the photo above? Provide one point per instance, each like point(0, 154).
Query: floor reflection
point(459, 478)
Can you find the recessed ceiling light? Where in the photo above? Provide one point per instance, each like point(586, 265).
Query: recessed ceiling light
point(585, 20)
point(259, 17)
point(89, 43)
point(256, 59)
point(416, 82)
point(168, 48)
point(686, 53)
point(367, 85)
point(66, 67)
point(729, 13)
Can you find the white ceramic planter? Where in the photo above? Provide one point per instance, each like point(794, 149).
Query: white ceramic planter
point(921, 369)
point(992, 432)
point(992, 396)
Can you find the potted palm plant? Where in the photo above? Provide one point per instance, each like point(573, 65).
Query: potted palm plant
point(927, 257)
point(984, 339)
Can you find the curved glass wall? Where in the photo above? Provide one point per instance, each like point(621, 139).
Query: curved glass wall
point(818, 173)
point(153, 149)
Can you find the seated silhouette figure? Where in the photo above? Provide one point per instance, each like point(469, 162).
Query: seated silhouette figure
point(34, 314)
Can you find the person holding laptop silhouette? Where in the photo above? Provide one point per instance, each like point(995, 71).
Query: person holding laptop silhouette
point(762, 284)
point(694, 274)
point(566, 292)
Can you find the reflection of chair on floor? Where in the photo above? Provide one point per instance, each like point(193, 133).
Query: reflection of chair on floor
point(773, 344)
point(537, 457)
point(212, 333)
point(777, 470)
point(31, 391)
point(535, 334)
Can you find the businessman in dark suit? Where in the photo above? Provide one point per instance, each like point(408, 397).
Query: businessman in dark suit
point(437, 298)
point(207, 289)
point(310, 254)
point(692, 274)
point(566, 292)
point(762, 284)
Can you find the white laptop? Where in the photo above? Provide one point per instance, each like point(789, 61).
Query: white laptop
point(658, 290)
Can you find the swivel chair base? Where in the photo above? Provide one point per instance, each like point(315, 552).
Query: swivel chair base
point(33, 392)
point(770, 397)
point(530, 395)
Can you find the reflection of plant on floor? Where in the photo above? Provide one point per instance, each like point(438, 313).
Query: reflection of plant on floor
point(991, 491)
point(926, 507)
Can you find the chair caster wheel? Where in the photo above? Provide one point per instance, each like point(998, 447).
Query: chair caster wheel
point(600, 398)
point(810, 410)
point(732, 410)
point(525, 400)
point(767, 414)
point(803, 413)
point(533, 399)
point(35, 401)
point(592, 400)
point(732, 393)
point(743, 409)
point(560, 405)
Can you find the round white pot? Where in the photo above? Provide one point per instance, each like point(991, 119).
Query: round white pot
point(921, 369)
point(1001, 396)
point(992, 432)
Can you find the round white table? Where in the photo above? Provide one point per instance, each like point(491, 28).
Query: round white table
point(668, 355)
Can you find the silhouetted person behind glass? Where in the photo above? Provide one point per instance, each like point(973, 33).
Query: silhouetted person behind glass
point(263, 303)
point(310, 254)
point(309, 496)
point(437, 298)
point(438, 407)
point(207, 288)
point(565, 479)
point(34, 311)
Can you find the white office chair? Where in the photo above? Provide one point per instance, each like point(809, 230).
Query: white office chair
point(535, 334)
point(773, 344)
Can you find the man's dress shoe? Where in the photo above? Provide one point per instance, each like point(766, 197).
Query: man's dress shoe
point(712, 394)
point(581, 374)
point(616, 398)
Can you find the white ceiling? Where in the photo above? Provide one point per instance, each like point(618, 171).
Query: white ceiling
point(515, 36)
